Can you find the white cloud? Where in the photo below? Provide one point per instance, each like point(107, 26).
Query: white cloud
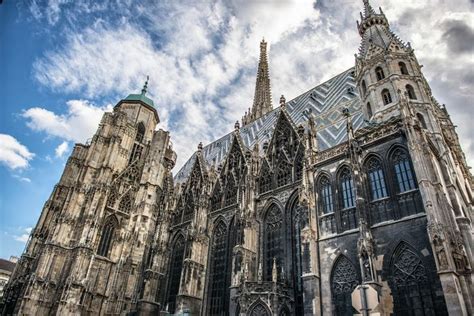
point(23, 237)
point(78, 124)
point(13, 154)
point(202, 58)
point(61, 149)
point(22, 179)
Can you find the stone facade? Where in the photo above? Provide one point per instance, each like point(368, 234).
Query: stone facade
point(353, 198)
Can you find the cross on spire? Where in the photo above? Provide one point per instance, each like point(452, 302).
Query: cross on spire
point(145, 86)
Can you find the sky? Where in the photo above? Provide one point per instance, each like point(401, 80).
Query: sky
point(64, 62)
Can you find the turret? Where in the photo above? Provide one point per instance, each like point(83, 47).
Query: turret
point(386, 68)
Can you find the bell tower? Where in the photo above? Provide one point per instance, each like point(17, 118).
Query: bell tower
point(386, 68)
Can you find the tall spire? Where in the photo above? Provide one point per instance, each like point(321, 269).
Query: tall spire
point(262, 102)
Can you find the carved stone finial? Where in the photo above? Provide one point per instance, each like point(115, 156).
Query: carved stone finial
point(145, 86)
point(200, 147)
point(282, 100)
point(274, 270)
point(237, 125)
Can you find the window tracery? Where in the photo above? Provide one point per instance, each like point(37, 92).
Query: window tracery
point(218, 271)
point(376, 177)
point(325, 192)
point(344, 279)
point(176, 267)
point(347, 188)
point(126, 203)
point(216, 197)
point(380, 73)
point(299, 164)
point(231, 191)
point(274, 239)
point(403, 171)
point(283, 176)
point(106, 238)
point(386, 97)
point(259, 310)
point(265, 180)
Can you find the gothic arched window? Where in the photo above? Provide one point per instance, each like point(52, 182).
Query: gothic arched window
point(216, 197)
point(273, 241)
point(265, 181)
point(403, 68)
point(126, 203)
point(386, 96)
point(175, 269)
point(106, 238)
point(259, 310)
point(299, 164)
point(188, 207)
point(379, 73)
point(403, 171)
point(411, 92)
point(369, 110)
point(230, 191)
point(347, 188)
point(378, 189)
point(413, 292)
point(140, 132)
point(325, 193)
point(364, 88)
point(421, 119)
point(218, 270)
point(283, 175)
point(344, 279)
point(298, 222)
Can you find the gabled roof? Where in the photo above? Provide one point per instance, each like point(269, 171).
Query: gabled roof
point(324, 103)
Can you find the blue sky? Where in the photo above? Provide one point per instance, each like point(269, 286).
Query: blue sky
point(64, 62)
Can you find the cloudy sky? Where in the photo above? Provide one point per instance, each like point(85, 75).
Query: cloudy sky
point(64, 62)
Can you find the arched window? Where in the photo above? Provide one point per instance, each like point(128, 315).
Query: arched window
point(410, 92)
point(298, 222)
point(379, 73)
point(265, 181)
point(273, 241)
point(369, 110)
point(403, 68)
point(299, 164)
point(413, 292)
point(344, 279)
point(386, 96)
point(283, 176)
point(325, 193)
point(106, 238)
point(364, 88)
point(188, 207)
point(403, 171)
point(175, 269)
point(218, 270)
point(259, 310)
point(216, 198)
point(376, 177)
point(230, 191)
point(347, 188)
point(140, 132)
point(421, 119)
point(126, 203)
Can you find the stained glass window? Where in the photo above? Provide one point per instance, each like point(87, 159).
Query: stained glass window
point(376, 177)
point(403, 171)
point(218, 271)
point(176, 265)
point(274, 239)
point(347, 188)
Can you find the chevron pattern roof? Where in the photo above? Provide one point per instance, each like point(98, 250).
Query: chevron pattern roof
point(324, 103)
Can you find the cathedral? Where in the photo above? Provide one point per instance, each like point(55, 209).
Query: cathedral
point(353, 198)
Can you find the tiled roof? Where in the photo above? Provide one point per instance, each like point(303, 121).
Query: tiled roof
point(7, 265)
point(324, 103)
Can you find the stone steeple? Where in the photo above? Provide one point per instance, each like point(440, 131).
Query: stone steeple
point(262, 102)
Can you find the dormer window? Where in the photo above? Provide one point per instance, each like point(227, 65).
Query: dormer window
point(379, 73)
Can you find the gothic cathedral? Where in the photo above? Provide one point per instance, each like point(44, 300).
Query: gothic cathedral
point(353, 198)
